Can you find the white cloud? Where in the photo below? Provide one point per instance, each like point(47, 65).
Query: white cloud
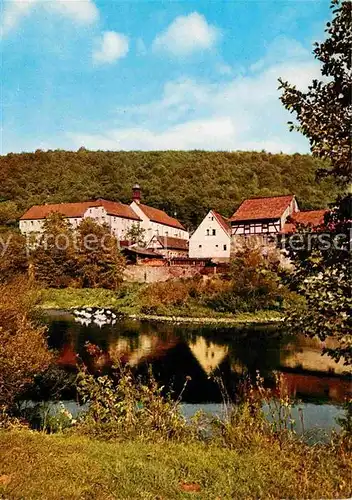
point(81, 11)
point(110, 47)
point(187, 34)
point(190, 135)
point(243, 112)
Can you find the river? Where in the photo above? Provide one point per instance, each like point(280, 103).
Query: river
point(205, 353)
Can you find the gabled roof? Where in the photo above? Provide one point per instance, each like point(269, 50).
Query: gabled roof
point(172, 243)
point(311, 218)
point(73, 210)
point(223, 221)
point(262, 208)
point(159, 216)
point(146, 252)
point(118, 209)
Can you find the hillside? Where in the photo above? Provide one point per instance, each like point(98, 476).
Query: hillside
point(185, 183)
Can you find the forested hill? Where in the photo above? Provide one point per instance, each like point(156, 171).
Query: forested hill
point(185, 183)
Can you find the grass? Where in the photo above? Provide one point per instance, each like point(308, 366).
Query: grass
point(35, 465)
point(128, 302)
point(68, 298)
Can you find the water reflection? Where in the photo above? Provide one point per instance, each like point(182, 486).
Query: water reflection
point(203, 352)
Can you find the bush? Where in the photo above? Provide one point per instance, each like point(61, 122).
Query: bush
point(23, 347)
point(123, 406)
point(254, 284)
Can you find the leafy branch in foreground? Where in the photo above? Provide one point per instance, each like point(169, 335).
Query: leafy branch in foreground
point(324, 111)
point(323, 265)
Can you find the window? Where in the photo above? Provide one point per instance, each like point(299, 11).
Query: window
point(265, 228)
point(216, 246)
point(212, 218)
point(166, 233)
point(214, 232)
point(246, 228)
point(225, 247)
point(208, 232)
point(200, 246)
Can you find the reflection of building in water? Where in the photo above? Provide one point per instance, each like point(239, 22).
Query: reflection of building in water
point(315, 375)
point(67, 356)
point(208, 354)
point(307, 356)
point(331, 388)
point(147, 347)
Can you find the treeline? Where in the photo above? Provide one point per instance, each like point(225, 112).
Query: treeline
point(183, 183)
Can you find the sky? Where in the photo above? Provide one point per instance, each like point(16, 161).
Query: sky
point(154, 75)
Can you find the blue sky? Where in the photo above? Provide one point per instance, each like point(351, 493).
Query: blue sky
point(154, 74)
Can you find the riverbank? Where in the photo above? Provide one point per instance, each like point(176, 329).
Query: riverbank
point(35, 465)
point(128, 304)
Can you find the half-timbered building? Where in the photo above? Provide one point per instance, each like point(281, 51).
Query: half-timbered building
point(263, 216)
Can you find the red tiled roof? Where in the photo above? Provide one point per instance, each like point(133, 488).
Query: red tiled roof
point(173, 243)
point(262, 208)
point(72, 210)
point(159, 216)
point(118, 209)
point(311, 218)
point(223, 221)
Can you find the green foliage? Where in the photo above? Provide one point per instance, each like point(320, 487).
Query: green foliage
point(323, 266)
point(324, 112)
point(123, 406)
point(54, 259)
point(23, 347)
point(98, 258)
point(87, 257)
point(323, 276)
point(9, 213)
point(136, 234)
point(254, 284)
point(189, 183)
point(69, 298)
point(13, 255)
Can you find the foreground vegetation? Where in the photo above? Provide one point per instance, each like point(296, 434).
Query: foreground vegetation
point(36, 465)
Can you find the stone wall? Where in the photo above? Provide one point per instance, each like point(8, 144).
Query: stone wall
point(151, 274)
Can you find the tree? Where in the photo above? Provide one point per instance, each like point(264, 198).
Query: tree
point(136, 235)
point(324, 112)
point(99, 262)
point(53, 258)
point(323, 262)
point(23, 348)
point(8, 213)
point(13, 256)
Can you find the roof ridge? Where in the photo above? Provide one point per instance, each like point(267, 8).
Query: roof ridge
point(268, 197)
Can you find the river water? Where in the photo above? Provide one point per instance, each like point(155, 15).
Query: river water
point(205, 353)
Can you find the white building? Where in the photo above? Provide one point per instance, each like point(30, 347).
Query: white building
point(118, 216)
point(212, 238)
point(156, 222)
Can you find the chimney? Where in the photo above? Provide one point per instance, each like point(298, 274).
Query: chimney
point(136, 193)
